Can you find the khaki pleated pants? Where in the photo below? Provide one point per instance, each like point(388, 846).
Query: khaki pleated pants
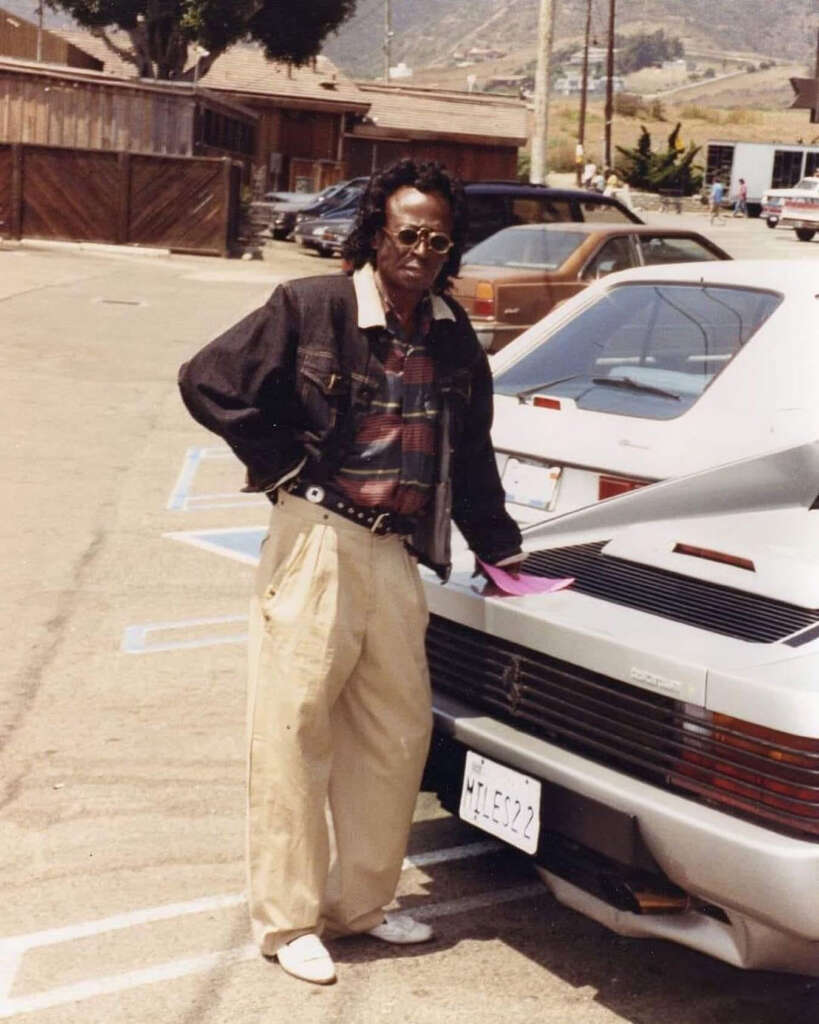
point(339, 723)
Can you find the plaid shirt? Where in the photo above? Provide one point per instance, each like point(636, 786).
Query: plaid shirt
point(391, 465)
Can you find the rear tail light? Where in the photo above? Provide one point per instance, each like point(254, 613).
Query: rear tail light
point(608, 486)
point(484, 299)
point(769, 774)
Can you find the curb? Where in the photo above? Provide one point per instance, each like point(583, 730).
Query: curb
point(91, 247)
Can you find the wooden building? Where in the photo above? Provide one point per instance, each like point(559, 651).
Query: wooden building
point(476, 136)
point(61, 106)
point(303, 115)
point(19, 38)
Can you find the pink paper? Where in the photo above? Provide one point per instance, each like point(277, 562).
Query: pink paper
point(523, 583)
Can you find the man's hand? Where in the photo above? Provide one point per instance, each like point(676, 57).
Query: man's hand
point(511, 564)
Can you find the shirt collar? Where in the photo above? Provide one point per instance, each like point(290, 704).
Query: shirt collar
point(371, 308)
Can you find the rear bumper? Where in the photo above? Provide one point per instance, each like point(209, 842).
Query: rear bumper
point(766, 885)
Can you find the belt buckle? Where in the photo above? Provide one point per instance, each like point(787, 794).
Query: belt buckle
point(377, 522)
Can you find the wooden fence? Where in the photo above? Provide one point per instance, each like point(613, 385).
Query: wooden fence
point(186, 204)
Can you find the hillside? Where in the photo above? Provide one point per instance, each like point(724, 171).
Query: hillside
point(427, 31)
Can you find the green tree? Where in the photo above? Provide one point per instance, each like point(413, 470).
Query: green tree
point(671, 168)
point(160, 32)
point(646, 48)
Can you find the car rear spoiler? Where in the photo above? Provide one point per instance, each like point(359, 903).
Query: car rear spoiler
point(785, 478)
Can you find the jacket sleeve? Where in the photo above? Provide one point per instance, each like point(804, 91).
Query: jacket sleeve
point(242, 387)
point(478, 498)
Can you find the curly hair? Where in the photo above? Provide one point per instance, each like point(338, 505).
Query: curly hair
point(371, 215)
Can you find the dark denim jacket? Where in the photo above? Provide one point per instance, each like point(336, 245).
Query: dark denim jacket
point(293, 377)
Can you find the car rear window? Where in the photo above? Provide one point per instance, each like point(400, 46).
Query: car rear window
point(647, 350)
point(527, 248)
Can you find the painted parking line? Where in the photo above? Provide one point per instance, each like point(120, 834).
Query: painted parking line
point(14, 948)
point(152, 637)
point(173, 969)
point(242, 544)
point(182, 500)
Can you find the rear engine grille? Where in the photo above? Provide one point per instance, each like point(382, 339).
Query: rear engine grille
point(645, 735)
point(671, 595)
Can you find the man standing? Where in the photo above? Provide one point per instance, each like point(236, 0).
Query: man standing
point(362, 406)
point(741, 200)
point(717, 193)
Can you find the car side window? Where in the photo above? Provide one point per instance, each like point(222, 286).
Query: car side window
point(487, 214)
point(615, 254)
point(541, 211)
point(602, 213)
point(656, 250)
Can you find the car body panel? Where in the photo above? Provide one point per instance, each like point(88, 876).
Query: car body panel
point(762, 880)
point(325, 235)
point(801, 212)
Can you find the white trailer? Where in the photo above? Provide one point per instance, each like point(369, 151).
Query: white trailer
point(763, 165)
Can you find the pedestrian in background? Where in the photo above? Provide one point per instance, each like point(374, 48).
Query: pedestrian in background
point(717, 195)
point(741, 200)
point(361, 405)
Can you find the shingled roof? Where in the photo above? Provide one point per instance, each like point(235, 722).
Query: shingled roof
point(93, 45)
point(245, 69)
point(406, 112)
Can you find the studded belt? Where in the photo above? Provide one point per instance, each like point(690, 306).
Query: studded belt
point(377, 522)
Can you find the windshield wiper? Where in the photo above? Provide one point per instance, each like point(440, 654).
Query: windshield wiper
point(634, 385)
point(546, 385)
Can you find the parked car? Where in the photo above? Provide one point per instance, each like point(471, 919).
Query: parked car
point(494, 205)
point(656, 372)
point(513, 278)
point(273, 202)
point(287, 215)
point(649, 736)
point(801, 212)
point(774, 198)
point(326, 234)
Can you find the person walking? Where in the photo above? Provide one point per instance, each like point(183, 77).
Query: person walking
point(741, 200)
point(361, 404)
point(717, 195)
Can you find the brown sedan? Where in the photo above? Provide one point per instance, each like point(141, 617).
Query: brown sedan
point(513, 278)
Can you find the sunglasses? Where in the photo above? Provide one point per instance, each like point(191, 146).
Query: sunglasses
point(409, 237)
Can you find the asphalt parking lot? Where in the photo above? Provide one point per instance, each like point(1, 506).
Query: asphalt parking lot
point(129, 558)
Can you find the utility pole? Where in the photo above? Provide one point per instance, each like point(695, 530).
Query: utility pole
point(40, 31)
point(387, 39)
point(609, 86)
point(540, 134)
point(584, 89)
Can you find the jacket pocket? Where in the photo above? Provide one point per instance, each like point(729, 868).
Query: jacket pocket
point(322, 390)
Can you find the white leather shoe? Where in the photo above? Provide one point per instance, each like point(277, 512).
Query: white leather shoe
point(307, 958)
point(402, 930)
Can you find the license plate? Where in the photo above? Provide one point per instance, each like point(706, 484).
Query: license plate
point(501, 801)
point(530, 483)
